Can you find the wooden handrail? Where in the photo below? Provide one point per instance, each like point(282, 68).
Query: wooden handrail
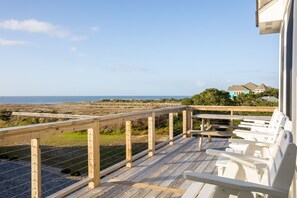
point(22, 133)
point(232, 108)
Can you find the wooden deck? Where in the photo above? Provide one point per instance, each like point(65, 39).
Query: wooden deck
point(160, 175)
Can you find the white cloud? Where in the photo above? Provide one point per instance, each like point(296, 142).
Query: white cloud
point(73, 49)
point(35, 26)
point(95, 29)
point(4, 42)
point(30, 25)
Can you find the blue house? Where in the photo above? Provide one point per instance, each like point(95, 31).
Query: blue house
point(249, 87)
point(235, 90)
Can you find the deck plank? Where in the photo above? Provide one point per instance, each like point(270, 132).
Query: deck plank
point(137, 166)
point(161, 174)
point(210, 169)
point(170, 167)
point(138, 176)
point(205, 164)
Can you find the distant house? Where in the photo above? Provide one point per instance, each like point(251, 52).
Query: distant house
point(261, 88)
point(249, 87)
point(235, 90)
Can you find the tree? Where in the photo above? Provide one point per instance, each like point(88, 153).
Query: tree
point(252, 100)
point(246, 99)
point(187, 101)
point(270, 92)
point(212, 96)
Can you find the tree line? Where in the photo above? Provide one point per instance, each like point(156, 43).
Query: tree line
point(214, 96)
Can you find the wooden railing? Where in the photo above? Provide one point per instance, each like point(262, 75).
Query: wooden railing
point(93, 125)
point(231, 108)
point(142, 104)
point(34, 133)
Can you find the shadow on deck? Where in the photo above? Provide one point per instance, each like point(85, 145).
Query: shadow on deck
point(160, 175)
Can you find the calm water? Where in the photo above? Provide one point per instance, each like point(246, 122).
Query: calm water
point(57, 99)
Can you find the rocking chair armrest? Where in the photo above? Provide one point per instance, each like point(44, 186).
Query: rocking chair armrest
point(234, 184)
point(248, 160)
point(253, 143)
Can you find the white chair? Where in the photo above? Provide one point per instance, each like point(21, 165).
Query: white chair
point(261, 133)
point(274, 182)
point(252, 148)
point(247, 123)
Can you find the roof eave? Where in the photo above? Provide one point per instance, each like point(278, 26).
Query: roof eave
point(269, 15)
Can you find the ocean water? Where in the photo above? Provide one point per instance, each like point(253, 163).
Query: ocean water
point(58, 99)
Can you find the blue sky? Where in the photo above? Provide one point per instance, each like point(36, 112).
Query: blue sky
point(131, 47)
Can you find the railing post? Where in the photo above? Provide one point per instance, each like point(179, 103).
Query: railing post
point(186, 122)
point(94, 155)
point(171, 124)
point(190, 120)
point(35, 168)
point(151, 135)
point(231, 122)
point(128, 144)
point(202, 124)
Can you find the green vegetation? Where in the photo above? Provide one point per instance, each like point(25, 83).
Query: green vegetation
point(8, 120)
point(5, 115)
point(220, 97)
point(162, 100)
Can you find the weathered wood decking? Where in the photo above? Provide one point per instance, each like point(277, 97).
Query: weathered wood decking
point(160, 175)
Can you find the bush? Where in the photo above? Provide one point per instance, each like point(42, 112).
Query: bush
point(212, 97)
point(76, 173)
point(13, 158)
point(66, 171)
point(187, 101)
point(5, 115)
point(4, 156)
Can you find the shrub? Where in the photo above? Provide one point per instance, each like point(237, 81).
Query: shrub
point(13, 158)
point(4, 156)
point(76, 173)
point(66, 171)
point(5, 115)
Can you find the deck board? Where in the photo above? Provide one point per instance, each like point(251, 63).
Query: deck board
point(160, 175)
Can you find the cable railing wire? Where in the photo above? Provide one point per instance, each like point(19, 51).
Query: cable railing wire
point(54, 164)
point(85, 167)
point(28, 165)
point(41, 162)
point(15, 150)
point(67, 182)
point(135, 149)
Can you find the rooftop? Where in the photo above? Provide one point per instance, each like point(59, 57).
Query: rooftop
point(238, 88)
point(250, 86)
point(262, 87)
